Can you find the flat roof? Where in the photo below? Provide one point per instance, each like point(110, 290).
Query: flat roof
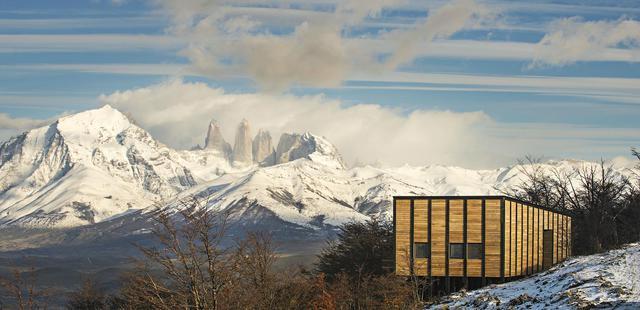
point(563, 212)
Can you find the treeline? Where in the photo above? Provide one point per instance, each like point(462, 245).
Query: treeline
point(604, 204)
point(191, 269)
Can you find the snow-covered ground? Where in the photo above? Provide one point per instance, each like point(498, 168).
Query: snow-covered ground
point(608, 281)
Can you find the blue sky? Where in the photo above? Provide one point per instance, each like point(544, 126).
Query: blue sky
point(560, 76)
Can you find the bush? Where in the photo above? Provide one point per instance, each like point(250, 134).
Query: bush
point(362, 249)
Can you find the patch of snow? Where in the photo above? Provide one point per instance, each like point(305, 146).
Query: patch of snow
point(609, 280)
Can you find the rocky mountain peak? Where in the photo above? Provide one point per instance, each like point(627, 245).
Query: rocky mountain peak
point(263, 151)
point(243, 148)
point(294, 146)
point(215, 140)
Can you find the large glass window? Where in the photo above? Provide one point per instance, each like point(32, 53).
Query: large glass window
point(474, 250)
point(456, 250)
point(421, 250)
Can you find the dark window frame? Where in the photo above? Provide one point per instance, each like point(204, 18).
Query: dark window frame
point(455, 252)
point(417, 253)
point(479, 252)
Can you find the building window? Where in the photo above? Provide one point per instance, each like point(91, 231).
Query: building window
point(456, 250)
point(474, 251)
point(421, 250)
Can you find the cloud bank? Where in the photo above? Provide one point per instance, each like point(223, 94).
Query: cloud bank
point(178, 113)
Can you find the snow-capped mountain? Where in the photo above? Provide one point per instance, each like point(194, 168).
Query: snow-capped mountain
point(97, 165)
point(90, 166)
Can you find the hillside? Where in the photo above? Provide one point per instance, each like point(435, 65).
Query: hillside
point(609, 280)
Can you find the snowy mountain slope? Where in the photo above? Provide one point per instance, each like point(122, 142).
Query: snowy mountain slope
point(91, 166)
point(96, 165)
point(610, 280)
point(318, 192)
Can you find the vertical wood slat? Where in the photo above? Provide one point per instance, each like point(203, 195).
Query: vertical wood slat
point(525, 239)
point(561, 240)
point(456, 234)
point(514, 240)
point(402, 228)
point(507, 240)
point(438, 242)
point(503, 243)
point(492, 238)
point(420, 233)
point(534, 239)
point(531, 239)
point(474, 234)
point(555, 237)
point(570, 240)
point(518, 239)
point(540, 229)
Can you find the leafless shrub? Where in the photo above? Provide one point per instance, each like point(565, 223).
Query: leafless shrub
point(23, 291)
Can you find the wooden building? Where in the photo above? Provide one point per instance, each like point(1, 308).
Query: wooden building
point(470, 241)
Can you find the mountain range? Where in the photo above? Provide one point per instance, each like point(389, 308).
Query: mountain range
point(97, 168)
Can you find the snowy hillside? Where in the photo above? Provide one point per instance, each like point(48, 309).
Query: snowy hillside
point(90, 166)
point(610, 280)
point(97, 165)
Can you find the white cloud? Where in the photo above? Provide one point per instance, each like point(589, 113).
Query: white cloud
point(18, 123)
point(316, 53)
point(570, 40)
point(440, 24)
point(11, 126)
point(178, 113)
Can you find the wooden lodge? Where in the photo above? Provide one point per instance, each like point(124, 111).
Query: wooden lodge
point(458, 241)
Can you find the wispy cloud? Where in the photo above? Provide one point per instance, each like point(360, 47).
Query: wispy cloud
point(87, 42)
point(74, 24)
point(571, 39)
point(624, 90)
point(160, 69)
point(315, 53)
point(571, 86)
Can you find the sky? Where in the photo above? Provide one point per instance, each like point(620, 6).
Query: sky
point(476, 84)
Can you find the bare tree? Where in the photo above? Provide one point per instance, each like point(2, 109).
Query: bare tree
point(253, 267)
point(601, 200)
point(23, 291)
point(88, 297)
point(190, 270)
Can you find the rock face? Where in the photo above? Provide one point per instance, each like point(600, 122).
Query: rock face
point(263, 151)
point(242, 148)
point(215, 141)
point(295, 146)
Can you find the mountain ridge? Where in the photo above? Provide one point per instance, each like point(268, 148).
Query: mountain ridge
point(97, 165)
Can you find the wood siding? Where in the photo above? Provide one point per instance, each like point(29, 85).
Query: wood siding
point(512, 233)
